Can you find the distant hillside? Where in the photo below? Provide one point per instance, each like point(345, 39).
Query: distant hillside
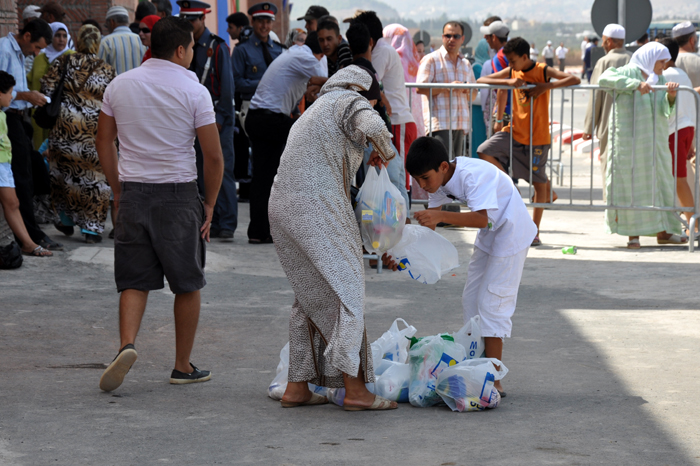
point(342, 9)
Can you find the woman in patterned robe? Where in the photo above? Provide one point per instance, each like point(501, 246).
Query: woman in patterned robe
point(318, 241)
point(79, 189)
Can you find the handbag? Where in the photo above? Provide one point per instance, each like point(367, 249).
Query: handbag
point(47, 115)
point(10, 256)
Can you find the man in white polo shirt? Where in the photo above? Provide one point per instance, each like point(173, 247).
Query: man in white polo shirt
point(156, 111)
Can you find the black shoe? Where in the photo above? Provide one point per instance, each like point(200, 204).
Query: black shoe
point(267, 240)
point(51, 245)
point(226, 234)
point(214, 233)
point(92, 239)
point(111, 234)
point(195, 376)
point(65, 229)
point(114, 375)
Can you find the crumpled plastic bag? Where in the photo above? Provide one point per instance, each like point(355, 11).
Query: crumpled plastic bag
point(381, 212)
point(470, 337)
point(424, 255)
point(279, 384)
point(428, 357)
point(392, 345)
point(393, 383)
point(468, 386)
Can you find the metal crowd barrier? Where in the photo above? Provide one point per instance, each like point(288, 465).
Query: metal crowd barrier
point(556, 164)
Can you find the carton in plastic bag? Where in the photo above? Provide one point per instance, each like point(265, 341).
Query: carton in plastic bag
point(393, 383)
point(470, 337)
point(381, 212)
point(428, 357)
point(424, 255)
point(468, 386)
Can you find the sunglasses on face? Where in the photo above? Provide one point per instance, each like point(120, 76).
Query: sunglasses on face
point(145, 30)
point(450, 36)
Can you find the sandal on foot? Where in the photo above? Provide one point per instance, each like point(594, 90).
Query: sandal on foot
point(38, 252)
point(634, 244)
point(379, 404)
point(114, 375)
point(536, 242)
point(502, 393)
point(51, 245)
point(315, 399)
point(673, 239)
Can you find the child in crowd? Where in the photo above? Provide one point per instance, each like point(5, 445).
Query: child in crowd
point(503, 241)
point(8, 197)
point(521, 72)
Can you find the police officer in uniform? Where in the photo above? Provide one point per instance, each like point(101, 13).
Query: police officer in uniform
point(212, 64)
point(251, 57)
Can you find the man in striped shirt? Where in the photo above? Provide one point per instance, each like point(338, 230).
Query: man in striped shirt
point(121, 48)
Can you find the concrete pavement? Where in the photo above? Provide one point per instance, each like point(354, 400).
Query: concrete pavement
point(603, 363)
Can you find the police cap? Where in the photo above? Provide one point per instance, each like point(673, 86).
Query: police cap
point(191, 9)
point(263, 10)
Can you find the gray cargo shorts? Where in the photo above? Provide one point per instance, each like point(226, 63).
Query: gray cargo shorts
point(498, 146)
point(157, 234)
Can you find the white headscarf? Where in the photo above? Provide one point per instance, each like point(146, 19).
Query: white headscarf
point(52, 53)
point(646, 57)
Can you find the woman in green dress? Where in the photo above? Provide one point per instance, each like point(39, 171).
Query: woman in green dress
point(639, 172)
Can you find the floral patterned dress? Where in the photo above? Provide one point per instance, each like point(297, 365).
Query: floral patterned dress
point(78, 185)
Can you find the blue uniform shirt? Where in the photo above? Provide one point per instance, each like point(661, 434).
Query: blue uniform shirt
point(249, 64)
point(219, 79)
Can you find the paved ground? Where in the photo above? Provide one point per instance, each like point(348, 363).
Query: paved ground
point(603, 364)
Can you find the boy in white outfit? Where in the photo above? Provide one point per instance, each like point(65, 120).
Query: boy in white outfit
point(505, 232)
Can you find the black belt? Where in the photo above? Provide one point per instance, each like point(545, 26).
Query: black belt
point(15, 111)
point(264, 111)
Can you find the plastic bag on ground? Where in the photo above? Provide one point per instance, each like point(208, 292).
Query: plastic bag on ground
point(337, 395)
point(428, 357)
point(424, 254)
point(279, 384)
point(468, 386)
point(381, 212)
point(392, 346)
point(470, 337)
point(393, 383)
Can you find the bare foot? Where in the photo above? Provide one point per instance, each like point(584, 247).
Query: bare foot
point(297, 392)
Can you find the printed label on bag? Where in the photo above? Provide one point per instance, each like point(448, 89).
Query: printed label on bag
point(367, 216)
point(445, 361)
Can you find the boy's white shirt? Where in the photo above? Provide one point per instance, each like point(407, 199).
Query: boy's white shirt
point(482, 186)
point(684, 101)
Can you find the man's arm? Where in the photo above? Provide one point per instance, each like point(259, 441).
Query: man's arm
point(213, 160)
point(107, 152)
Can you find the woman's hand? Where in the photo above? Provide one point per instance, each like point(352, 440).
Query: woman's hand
point(389, 263)
point(672, 88)
point(644, 88)
point(376, 161)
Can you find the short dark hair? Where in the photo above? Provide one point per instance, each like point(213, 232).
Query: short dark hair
point(144, 9)
point(518, 46)
point(358, 38)
point(680, 40)
point(660, 36)
point(93, 22)
point(312, 42)
point(373, 23)
point(491, 19)
point(425, 154)
point(453, 24)
point(38, 29)
point(7, 81)
point(420, 42)
point(168, 34)
point(238, 19)
point(325, 18)
point(644, 38)
point(672, 47)
point(329, 26)
point(163, 6)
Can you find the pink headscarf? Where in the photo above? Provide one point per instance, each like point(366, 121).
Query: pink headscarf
point(399, 38)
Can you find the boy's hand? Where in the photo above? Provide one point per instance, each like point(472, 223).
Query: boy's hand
point(428, 218)
point(538, 90)
point(515, 82)
point(389, 263)
point(672, 88)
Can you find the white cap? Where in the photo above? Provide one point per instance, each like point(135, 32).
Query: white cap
point(498, 28)
point(549, 42)
point(682, 29)
point(614, 31)
point(117, 11)
point(32, 11)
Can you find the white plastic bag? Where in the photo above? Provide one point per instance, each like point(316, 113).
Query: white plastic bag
point(393, 345)
point(337, 395)
point(428, 358)
point(470, 337)
point(424, 254)
point(393, 383)
point(468, 386)
point(279, 384)
point(381, 212)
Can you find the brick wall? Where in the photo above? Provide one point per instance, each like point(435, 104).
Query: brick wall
point(78, 11)
point(8, 17)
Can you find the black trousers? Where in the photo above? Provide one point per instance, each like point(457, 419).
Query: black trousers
point(268, 136)
point(241, 169)
point(23, 173)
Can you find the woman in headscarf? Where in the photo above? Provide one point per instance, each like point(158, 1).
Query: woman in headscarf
point(79, 189)
point(58, 46)
point(639, 171)
point(145, 28)
point(295, 37)
point(318, 241)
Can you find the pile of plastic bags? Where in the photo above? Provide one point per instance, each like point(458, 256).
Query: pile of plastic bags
point(426, 372)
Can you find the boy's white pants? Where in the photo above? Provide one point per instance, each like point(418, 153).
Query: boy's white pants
point(492, 291)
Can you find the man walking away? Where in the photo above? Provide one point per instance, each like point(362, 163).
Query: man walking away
point(548, 54)
point(122, 49)
point(687, 39)
point(162, 224)
point(561, 56)
point(615, 57)
point(212, 64)
point(34, 37)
